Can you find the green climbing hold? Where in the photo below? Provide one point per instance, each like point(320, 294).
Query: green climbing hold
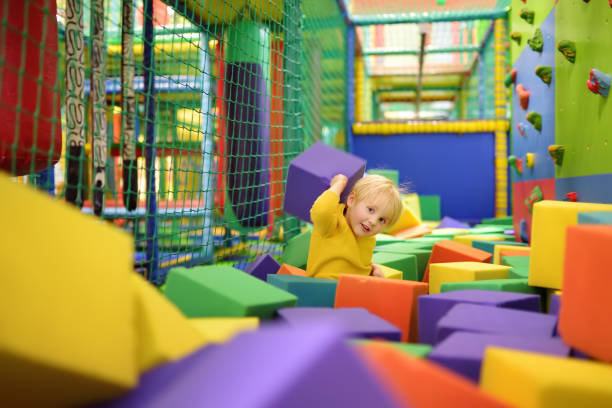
point(568, 49)
point(535, 119)
point(535, 196)
point(516, 37)
point(544, 72)
point(510, 78)
point(527, 15)
point(556, 152)
point(536, 42)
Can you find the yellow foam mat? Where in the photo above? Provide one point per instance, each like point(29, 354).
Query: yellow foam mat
point(222, 329)
point(440, 273)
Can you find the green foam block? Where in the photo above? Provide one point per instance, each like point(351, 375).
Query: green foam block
point(310, 292)
point(296, 250)
point(430, 207)
point(415, 350)
point(500, 285)
point(422, 255)
point(392, 175)
point(519, 264)
point(497, 221)
point(223, 291)
point(402, 262)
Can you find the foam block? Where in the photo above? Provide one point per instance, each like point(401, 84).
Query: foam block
point(417, 382)
point(391, 273)
point(554, 304)
point(309, 175)
point(223, 329)
point(354, 322)
point(550, 221)
point(500, 320)
point(407, 264)
point(384, 239)
point(489, 229)
point(66, 306)
point(448, 222)
point(595, 218)
point(489, 246)
point(584, 320)
point(415, 350)
point(413, 232)
point(433, 307)
point(497, 220)
point(497, 249)
point(519, 265)
point(501, 285)
point(451, 251)
point(278, 366)
point(449, 231)
point(411, 200)
point(392, 175)
point(222, 291)
point(163, 332)
point(286, 269)
point(467, 239)
point(529, 380)
point(463, 352)
point(407, 219)
point(262, 266)
point(462, 272)
point(296, 250)
point(430, 207)
point(393, 300)
point(310, 292)
point(422, 255)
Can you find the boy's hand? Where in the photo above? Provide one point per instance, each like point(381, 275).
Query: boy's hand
point(377, 271)
point(337, 183)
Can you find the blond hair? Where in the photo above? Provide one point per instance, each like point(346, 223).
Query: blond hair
point(374, 187)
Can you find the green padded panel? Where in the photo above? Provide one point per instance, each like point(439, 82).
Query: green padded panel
point(415, 350)
point(223, 291)
point(402, 262)
point(296, 250)
point(430, 207)
point(392, 175)
point(517, 24)
point(310, 292)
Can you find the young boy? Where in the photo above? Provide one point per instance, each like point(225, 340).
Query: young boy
point(343, 237)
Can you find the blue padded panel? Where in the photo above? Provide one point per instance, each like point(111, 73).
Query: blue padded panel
point(591, 189)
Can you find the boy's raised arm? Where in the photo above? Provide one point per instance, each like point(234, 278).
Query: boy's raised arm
point(324, 212)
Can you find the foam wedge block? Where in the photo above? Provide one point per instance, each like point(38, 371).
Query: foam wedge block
point(531, 380)
point(415, 350)
point(449, 222)
point(407, 264)
point(309, 175)
point(548, 233)
point(310, 292)
point(393, 300)
point(595, 218)
point(449, 231)
point(407, 219)
point(391, 273)
point(584, 319)
point(463, 272)
point(262, 266)
point(413, 232)
point(554, 304)
point(222, 329)
point(501, 285)
point(452, 251)
point(433, 307)
point(411, 201)
point(500, 320)
point(163, 332)
point(287, 269)
point(519, 266)
point(417, 382)
point(463, 352)
point(391, 174)
point(384, 239)
point(497, 250)
point(222, 291)
point(296, 251)
point(354, 322)
point(66, 309)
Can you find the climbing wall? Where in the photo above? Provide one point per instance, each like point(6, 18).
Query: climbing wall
point(552, 105)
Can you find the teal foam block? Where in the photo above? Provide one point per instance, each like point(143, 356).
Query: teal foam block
point(489, 246)
point(500, 285)
point(422, 256)
point(402, 262)
point(497, 221)
point(310, 292)
point(430, 207)
point(519, 264)
point(595, 217)
point(415, 350)
point(296, 250)
point(223, 291)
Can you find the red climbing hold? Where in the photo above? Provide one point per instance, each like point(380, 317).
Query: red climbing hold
point(572, 196)
point(523, 95)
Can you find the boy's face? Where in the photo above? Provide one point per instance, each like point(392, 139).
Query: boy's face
point(366, 217)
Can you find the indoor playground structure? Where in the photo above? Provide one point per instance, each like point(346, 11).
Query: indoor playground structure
point(158, 163)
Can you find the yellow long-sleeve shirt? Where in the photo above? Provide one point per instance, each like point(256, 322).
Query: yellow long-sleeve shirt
point(334, 249)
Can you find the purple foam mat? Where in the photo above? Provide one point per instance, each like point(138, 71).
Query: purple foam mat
point(275, 366)
point(463, 352)
point(355, 322)
point(448, 222)
point(309, 175)
point(489, 319)
point(433, 307)
point(262, 266)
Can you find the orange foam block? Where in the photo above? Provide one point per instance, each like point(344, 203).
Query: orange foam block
point(584, 319)
point(287, 269)
point(417, 382)
point(514, 252)
point(413, 232)
point(452, 251)
point(391, 299)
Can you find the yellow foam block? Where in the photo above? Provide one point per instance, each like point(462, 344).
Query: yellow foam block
point(407, 219)
point(440, 273)
point(550, 221)
point(531, 380)
point(67, 332)
point(163, 332)
point(412, 201)
point(431, 224)
point(466, 239)
point(450, 231)
point(501, 247)
point(222, 329)
point(390, 273)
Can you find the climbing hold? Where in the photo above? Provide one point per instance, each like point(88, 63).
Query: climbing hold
point(599, 83)
point(521, 129)
point(544, 72)
point(441, 2)
point(556, 152)
point(571, 196)
point(523, 231)
point(586, 1)
point(527, 15)
point(535, 196)
point(535, 119)
point(529, 160)
point(510, 78)
point(523, 96)
point(536, 42)
point(568, 49)
point(516, 164)
point(517, 37)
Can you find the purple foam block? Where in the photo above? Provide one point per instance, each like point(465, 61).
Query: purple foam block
point(555, 305)
point(355, 322)
point(433, 307)
point(277, 366)
point(310, 173)
point(262, 266)
point(462, 352)
point(488, 319)
point(448, 222)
